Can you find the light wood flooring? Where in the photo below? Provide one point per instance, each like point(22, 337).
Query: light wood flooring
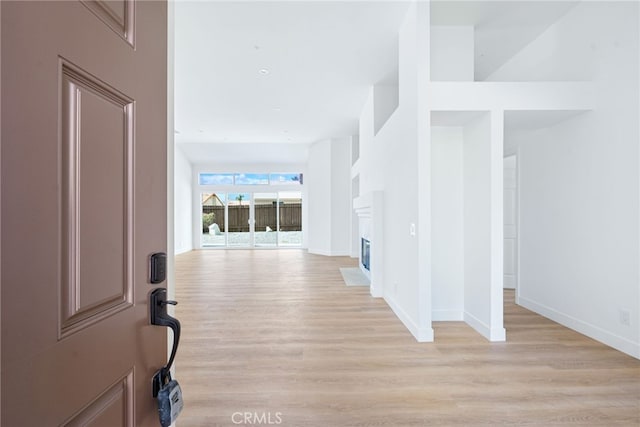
point(277, 334)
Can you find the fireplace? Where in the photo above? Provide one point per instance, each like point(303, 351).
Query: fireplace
point(365, 257)
point(369, 208)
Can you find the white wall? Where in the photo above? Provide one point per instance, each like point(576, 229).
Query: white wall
point(481, 264)
point(355, 232)
point(447, 236)
point(579, 180)
point(385, 103)
point(329, 197)
point(319, 202)
point(341, 200)
point(371, 151)
point(389, 163)
point(183, 206)
point(452, 53)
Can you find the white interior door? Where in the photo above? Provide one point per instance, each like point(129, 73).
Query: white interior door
point(510, 223)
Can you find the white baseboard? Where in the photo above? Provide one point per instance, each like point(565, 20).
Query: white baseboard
point(319, 252)
point(492, 334)
point(619, 343)
point(376, 290)
point(179, 251)
point(420, 334)
point(326, 253)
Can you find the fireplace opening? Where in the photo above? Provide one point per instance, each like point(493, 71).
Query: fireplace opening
point(364, 253)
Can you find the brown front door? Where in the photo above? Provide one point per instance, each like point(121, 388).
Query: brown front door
point(83, 206)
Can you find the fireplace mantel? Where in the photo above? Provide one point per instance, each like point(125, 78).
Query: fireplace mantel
point(363, 205)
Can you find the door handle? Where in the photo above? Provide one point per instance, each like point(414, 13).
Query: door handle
point(158, 305)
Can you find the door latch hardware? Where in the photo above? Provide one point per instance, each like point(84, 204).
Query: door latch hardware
point(164, 388)
point(157, 268)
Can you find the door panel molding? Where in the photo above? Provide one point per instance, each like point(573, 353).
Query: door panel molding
point(120, 19)
point(93, 210)
point(113, 407)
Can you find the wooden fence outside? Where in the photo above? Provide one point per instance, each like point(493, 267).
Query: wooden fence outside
point(265, 216)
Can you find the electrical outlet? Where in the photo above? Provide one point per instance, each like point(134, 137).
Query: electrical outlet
point(625, 317)
point(412, 229)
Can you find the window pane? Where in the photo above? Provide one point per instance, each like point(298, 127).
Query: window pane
point(213, 219)
point(252, 179)
point(290, 218)
point(266, 218)
point(286, 178)
point(238, 219)
point(216, 179)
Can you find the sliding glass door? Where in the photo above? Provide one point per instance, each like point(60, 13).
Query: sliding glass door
point(251, 219)
point(213, 214)
point(265, 214)
point(239, 223)
point(289, 218)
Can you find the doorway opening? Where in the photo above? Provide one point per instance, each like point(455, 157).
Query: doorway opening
point(510, 280)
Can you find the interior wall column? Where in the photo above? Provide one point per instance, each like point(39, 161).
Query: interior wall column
point(497, 225)
point(423, 50)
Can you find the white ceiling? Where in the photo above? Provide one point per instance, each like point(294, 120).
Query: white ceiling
point(320, 57)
